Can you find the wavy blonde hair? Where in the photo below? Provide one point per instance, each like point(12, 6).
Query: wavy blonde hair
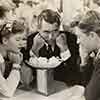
point(90, 22)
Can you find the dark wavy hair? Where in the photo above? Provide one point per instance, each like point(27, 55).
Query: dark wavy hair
point(49, 16)
point(15, 28)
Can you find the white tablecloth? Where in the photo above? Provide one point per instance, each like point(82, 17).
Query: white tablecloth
point(66, 93)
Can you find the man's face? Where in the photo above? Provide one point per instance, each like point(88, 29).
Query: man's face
point(17, 41)
point(49, 31)
point(87, 42)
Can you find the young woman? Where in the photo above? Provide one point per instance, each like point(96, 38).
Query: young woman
point(12, 39)
point(88, 32)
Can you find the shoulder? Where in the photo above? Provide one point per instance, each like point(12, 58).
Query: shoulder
point(97, 59)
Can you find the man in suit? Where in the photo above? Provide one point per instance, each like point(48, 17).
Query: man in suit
point(51, 42)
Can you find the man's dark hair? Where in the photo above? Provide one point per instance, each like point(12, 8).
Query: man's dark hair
point(49, 16)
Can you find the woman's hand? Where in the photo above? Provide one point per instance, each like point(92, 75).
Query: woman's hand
point(15, 57)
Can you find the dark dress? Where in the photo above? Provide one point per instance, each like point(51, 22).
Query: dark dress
point(71, 68)
point(8, 68)
point(8, 64)
point(74, 75)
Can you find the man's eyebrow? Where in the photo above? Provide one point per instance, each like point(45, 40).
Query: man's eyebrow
point(46, 31)
point(50, 31)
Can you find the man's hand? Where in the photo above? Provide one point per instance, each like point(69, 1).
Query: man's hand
point(62, 42)
point(15, 57)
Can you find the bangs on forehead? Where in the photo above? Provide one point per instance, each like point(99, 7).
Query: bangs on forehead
point(12, 28)
point(7, 30)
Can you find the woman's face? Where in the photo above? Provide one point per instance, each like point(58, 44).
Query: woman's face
point(17, 41)
point(88, 42)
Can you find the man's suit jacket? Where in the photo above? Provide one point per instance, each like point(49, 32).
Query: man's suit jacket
point(48, 52)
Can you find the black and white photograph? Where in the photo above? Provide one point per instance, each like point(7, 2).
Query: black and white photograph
point(49, 49)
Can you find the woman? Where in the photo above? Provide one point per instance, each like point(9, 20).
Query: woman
point(88, 32)
point(12, 39)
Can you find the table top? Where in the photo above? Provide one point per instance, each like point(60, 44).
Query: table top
point(70, 93)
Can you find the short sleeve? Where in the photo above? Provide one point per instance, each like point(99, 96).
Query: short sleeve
point(1, 59)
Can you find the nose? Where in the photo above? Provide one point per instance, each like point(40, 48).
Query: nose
point(50, 36)
point(78, 41)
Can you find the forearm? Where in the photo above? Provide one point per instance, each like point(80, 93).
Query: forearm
point(12, 82)
point(9, 85)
